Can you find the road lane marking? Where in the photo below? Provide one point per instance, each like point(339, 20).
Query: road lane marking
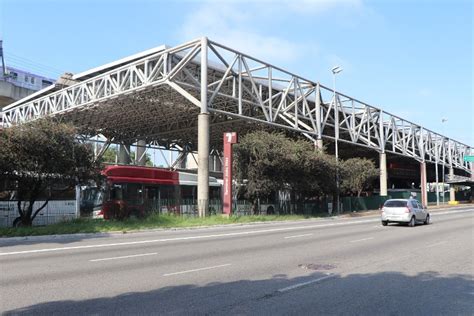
point(297, 236)
point(201, 237)
point(450, 212)
point(127, 243)
point(124, 257)
point(437, 244)
point(196, 270)
point(298, 285)
point(364, 239)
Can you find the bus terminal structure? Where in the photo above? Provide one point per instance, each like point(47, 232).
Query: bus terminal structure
point(185, 97)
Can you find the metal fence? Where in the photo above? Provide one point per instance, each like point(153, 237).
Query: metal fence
point(54, 212)
point(185, 207)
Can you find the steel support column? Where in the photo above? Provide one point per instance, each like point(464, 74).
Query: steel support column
point(383, 174)
point(452, 195)
point(319, 144)
point(203, 138)
point(140, 158)
point(124, 154)
point(424, 194)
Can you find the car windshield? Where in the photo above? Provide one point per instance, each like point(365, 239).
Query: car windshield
point(395, 203)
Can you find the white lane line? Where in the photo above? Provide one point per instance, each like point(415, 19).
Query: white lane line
point(124, 257)
point(297, 236)
point(437, 244)
point(292, 287)
point(364, 239)
point(450, 212)
point(200, 269)
point(202, 237)
point(127, 243)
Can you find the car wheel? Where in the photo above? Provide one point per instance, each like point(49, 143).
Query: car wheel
point(384, 223)
point(427, 220)
point(412, 222)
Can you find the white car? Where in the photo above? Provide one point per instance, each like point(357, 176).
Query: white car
point(408, 211)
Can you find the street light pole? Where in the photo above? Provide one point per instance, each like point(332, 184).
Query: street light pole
point(335, 70)
point(436, 173)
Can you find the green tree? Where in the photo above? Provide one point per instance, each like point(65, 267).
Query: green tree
point(270, 162)
point(40, 155)
point(111, 152)
point(311, 172)
point(259, 163)
point(357, 174)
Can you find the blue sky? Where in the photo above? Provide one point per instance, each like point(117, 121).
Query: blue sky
point(411, 58)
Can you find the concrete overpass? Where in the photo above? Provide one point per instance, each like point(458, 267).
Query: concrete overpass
point(186, 97)
point(9, 93)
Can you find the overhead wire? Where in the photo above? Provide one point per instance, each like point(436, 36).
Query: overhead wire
point(32, 69)
point(32, 66)
point(20, 58)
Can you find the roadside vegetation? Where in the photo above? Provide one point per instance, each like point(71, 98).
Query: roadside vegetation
point(45, 155)
point(39, 157)
point(266, 163)
point(86, 225)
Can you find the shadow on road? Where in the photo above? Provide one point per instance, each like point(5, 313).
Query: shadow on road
point(386, 293)
point(50, 239)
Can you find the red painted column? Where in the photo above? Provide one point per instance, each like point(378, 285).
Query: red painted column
point(229, 139)
point(424, 194)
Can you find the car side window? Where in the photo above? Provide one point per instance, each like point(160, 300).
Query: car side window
point(414, 204)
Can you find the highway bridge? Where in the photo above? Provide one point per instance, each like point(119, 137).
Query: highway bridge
point(185, 97)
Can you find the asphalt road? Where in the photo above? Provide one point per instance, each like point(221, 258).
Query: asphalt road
point(351, 266)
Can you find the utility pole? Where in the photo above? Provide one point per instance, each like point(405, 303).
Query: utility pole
point(4, 67)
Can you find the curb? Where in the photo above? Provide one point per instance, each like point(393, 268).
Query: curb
point(373, 213)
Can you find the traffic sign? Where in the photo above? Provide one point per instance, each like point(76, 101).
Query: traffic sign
point(469, 158)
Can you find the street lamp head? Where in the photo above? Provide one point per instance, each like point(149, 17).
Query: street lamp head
point(444, 120)
point(336, 69)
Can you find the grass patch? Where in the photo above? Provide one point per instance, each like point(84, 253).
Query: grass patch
point(83, 225)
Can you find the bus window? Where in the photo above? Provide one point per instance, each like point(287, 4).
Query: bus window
point(214, 193)
point(91, 198)
point(169, 194)
point(152, 193)
point(133, 193)
point(116, 192)
point(188, 192)
point(151, 199)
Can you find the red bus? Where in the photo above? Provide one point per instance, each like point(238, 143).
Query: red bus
point(138, 191)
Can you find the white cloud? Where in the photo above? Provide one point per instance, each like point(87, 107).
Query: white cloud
point(233, 25)
point(246, 26)
point(321, 6)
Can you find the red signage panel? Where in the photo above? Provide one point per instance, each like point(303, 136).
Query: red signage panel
point(229, 139)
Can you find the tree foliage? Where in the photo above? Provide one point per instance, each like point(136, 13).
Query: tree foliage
point(266, 163)
point(259, 163)
point(40, 155)
point(270, 162)
point(111, 152)
point(357, 174)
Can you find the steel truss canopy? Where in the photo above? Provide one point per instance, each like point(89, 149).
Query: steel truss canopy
point(155, 96)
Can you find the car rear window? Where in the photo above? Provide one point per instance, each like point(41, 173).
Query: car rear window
point(395, 204)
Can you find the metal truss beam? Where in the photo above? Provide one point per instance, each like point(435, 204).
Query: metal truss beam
point(239, 86)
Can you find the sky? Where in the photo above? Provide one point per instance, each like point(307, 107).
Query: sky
point(413, 58)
